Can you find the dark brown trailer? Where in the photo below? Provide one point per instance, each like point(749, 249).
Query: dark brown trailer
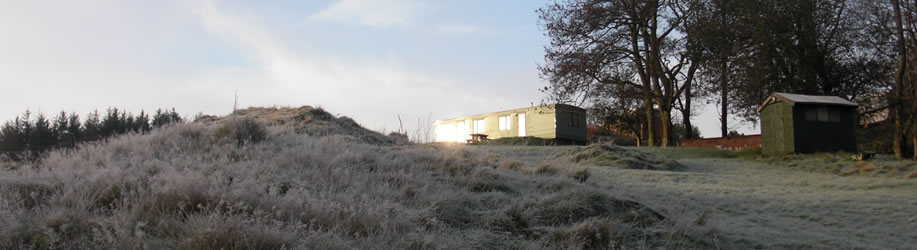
point(792, 123)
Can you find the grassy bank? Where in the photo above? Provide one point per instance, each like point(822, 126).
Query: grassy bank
point(217, 184)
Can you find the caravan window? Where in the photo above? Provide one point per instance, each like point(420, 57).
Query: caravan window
point(504, 123)
point(478, 126)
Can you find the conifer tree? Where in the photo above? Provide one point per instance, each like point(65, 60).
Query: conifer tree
point(74, 129)
point(143, 122)
point(59, 128)
point(92, 127)
point(11, 141)
point(41, 138)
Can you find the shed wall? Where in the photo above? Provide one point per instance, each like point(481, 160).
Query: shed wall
point(825, 136)
point(777, 129)
point(576, 132)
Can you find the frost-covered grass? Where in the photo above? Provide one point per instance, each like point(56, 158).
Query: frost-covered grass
point(693, 153)
point(786, 202)
point(842, 164)
point(199, 186)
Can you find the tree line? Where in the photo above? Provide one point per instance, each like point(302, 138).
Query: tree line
point(30, 135)
point(666, 56)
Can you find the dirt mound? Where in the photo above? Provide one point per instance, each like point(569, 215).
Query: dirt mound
point(314, 122)
point(611, 155)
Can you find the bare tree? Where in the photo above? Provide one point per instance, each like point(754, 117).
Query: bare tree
point(596, 42)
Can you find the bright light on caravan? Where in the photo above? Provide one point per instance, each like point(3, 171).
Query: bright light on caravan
point(445, 132)
point(460, 132)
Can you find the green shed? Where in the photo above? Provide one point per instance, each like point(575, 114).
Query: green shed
point(555, 121)
point(792, 123)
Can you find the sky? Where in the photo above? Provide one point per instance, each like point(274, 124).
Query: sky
point(371, 60)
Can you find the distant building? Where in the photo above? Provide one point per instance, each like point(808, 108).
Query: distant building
point(564, 123)
point(792, 123)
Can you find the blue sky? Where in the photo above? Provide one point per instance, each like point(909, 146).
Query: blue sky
point(368, 59)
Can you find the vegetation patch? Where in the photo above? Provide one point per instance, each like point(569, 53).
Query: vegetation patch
point(610, 155)
point(846, 164)
point(574, 206)
point(697, 153)
point(526, 140)
point(240, 131)
point(316, 122)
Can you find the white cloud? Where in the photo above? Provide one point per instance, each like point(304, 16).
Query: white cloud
point(457, 29)
point(370, 90)
point(84, 56)
point(137, 55)
point(374, 13)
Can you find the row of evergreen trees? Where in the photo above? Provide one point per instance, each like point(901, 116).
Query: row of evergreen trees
point(27, 137)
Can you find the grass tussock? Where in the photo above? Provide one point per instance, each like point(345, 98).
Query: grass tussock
point(610, 155)
point(548, 168)
point(176, 188)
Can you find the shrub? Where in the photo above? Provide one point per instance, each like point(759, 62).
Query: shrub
point(220, 232)
point(240, 131)
point(591, 234)
point(581, 175)
point(512, 165)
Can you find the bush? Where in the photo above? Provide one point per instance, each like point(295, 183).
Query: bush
point(219, 232)
point(240, 131)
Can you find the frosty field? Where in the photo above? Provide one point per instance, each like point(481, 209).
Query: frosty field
point(764, 203)
point(314, 181)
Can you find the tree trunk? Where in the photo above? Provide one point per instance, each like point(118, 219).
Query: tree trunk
point(640, 135)
point(686, 114)
point(648, 110)
point(899, 83)
point(724, 97)
point(665, 119)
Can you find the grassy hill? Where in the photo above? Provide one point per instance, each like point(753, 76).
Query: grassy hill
point(268, 178)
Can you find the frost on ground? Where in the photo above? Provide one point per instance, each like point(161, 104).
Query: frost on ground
point(787, 202)
point(226, 183)
point(841, 164)
point(611, 155)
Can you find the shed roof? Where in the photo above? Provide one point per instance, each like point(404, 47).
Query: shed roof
point(797, 98)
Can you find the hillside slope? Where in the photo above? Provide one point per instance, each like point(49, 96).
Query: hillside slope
point(187, 186)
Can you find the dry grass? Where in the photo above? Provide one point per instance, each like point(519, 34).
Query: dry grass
point(314, 122)
point(747, 201)
point(177, 187)
point(611, 155)
point(842, 164)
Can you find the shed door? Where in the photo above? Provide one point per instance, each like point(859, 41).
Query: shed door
point(521, 124)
